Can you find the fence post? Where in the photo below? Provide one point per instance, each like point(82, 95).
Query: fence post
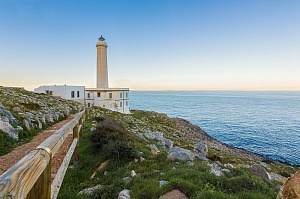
point(76, 154)
point(42, 187)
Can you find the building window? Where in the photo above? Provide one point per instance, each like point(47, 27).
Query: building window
point(121, 95)
point(89, 95)
point(121, 104)
point(110, 95)
point(126, 103)
point(126, 95)
point(98, 94)
point(103, 105)
point(89, 104)
point(78, 94)
point(72, 94)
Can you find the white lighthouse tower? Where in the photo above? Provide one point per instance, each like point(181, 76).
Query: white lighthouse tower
point(102, 72)
point(115, 99)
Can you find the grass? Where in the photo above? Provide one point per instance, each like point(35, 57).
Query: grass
point(195, 181)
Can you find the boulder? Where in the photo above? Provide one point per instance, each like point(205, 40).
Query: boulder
point(4, 119)
point(49, 118)
point(126, 180)
point(8, 114)
point(27, 124)
point(132, 173)
point(166, 142)
point(177, 153)
point(89, 191)
point(125, 194)
point(162, 183)
point(201, 148)
point(140, 135)
point(8, 129)
point(154, 135)
point(174, 194)
point(215, 169)
point(154, 149)
point(291, 188)
point(260, 171)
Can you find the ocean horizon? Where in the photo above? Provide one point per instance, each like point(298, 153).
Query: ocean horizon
point(263, 122)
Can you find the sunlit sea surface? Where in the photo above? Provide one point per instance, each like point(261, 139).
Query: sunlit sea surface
point(264, 122)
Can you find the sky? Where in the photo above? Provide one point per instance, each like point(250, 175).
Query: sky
point(152, 44)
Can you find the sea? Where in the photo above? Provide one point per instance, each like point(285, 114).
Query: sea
point(264, 122)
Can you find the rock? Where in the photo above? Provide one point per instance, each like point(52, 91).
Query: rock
point(142, 159)
point(291, 188)
point(229, 165)
point(125, 194)
point(105, 173)
point(89, 191)
point(8, 114)
point(140, 135)
point(154, 149)
point(201, 148)
point(226, 171)
point(49, 118)
point(27, 124)
point(154, 135)
point(4, 119)
point(177, 153)
point(190, 163)
point(275, 176)
point(132, 173)
point(215, 169)
point(92, 129)
point(43, 119)
point(19, 128)
point(126, 180)
point(260, 171)
point(162, 183)
point(166, 142)
point(17, 109)
point(174, 194)
point(8, 129)
point(66, 112)
point(39, 123)
point(201, 157)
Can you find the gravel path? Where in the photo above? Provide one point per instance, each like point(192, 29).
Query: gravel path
point(18, 153)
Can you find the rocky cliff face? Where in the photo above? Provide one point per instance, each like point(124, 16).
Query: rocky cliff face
point(21, 110)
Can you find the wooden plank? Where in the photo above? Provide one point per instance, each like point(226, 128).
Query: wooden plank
point(55, 141)
point(56, 184)
point(17, 181)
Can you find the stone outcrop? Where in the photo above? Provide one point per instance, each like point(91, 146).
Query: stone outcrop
point(8, 129)
point(174, 194)
point(89, 191)
point(177, 153)
point(30, 110)
point(125, 194)
point(291, 188)
point(260, 171)
point(201, 148)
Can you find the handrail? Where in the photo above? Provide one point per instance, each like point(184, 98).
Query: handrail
point(30, 177)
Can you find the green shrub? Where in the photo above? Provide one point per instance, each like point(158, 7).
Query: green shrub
point(211, 194)
point(112, 139)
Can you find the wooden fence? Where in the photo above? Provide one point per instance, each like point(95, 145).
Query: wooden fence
point(31, 176)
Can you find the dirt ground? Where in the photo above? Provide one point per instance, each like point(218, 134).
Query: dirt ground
point(18, 153)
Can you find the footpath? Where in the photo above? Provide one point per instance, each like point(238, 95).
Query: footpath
point(18, 153)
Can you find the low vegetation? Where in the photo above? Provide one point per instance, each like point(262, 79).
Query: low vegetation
point(113, 137)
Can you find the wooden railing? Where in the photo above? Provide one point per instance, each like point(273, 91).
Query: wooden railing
point(31, 176)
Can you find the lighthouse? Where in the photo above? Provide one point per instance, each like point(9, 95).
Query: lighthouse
point(115, 99)
point(102, 72)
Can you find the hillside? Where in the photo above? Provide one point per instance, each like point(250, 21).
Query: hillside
point(24, 114)
point(144, 154)
point(149, 155)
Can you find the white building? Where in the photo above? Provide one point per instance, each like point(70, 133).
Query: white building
point(115, 99)
point(75, 93)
